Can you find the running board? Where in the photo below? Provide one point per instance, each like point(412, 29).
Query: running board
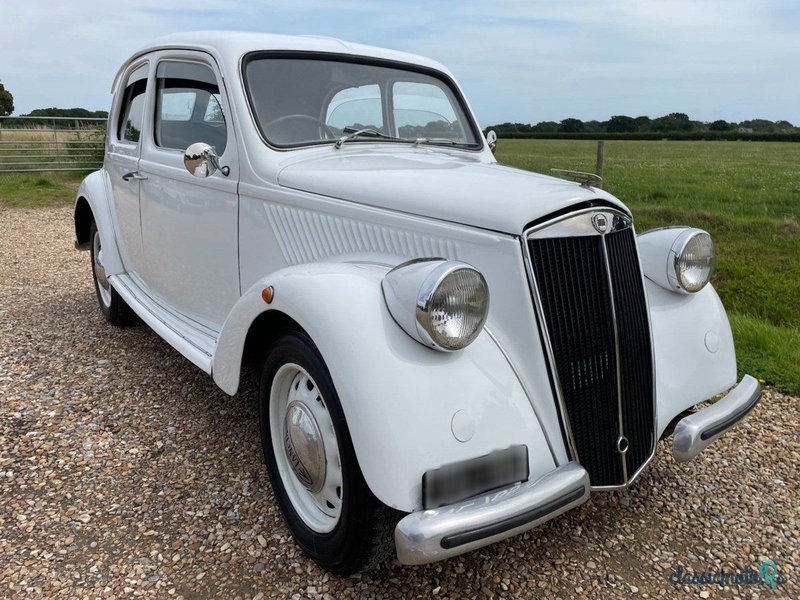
point(195, 345)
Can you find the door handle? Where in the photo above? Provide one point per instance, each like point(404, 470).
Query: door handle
point(134, 175)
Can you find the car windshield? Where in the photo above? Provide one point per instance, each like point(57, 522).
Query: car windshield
point(304, 101)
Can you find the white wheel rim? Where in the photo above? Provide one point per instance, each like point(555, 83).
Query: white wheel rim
point(320, 510)
point(103, 286)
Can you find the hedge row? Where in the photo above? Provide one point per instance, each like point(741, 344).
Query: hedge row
point(677, 135)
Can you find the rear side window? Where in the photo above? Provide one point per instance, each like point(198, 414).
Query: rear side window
point(129, 127)
point(188, 107)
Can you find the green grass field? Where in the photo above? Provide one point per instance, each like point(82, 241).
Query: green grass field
point(34, 190)
point(746, 194)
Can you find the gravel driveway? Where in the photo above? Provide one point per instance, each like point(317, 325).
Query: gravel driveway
point(125, 471)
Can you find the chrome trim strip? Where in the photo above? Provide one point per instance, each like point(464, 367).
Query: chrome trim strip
point(695, 433)
point(620, 420)
point(429, 535)
point(544, 333)
point(528, 393)
point(573, 225)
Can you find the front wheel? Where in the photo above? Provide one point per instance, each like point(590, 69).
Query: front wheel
point(113, 307)
point(312, 465)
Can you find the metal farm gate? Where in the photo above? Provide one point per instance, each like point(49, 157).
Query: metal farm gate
point(39, 144)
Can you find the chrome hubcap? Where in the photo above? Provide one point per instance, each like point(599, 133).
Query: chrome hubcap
point(306, 449)
point(103, 286)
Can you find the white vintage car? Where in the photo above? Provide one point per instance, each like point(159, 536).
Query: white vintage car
point(476, 346)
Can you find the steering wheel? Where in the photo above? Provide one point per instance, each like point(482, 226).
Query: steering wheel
point(329, 134)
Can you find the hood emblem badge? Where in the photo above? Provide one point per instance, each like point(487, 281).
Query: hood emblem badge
point(600, 222)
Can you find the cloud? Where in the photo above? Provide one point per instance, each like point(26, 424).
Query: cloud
point(517, 60)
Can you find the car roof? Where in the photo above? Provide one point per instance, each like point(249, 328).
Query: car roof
point(230, 46)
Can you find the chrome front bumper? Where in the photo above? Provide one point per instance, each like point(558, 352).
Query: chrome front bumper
point(431, 535)
point(695, 432)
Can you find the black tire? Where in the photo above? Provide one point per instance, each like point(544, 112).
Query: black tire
point(116, 311)
point(362, 538)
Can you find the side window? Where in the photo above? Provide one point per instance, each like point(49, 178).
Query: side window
point(188, 107)
point(356, 108)
point(130, 116)
point(424, 110)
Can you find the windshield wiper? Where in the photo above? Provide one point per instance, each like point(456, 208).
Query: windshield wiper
point(366, 132)
point(426, 140)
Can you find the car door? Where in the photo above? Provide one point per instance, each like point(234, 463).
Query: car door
point(190, 222)
point(124, 143)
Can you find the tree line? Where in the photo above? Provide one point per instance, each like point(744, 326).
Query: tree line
point(671, 123)
point(73, 113)
point(67, 112)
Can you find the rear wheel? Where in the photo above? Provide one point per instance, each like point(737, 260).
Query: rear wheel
point(113, 307)
point(312, 466)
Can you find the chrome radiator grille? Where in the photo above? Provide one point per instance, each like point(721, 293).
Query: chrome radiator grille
point(591, 304)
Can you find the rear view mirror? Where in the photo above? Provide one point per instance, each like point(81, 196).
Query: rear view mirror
point(491, 139)
point(201, 160)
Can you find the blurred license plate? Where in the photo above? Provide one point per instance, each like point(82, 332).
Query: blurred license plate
point(459, 481)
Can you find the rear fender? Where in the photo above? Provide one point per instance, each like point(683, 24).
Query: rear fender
point(399, 397)
point(95, 191)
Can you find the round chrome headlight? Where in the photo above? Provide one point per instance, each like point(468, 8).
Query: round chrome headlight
point(452, 306)
point(441, 304)
point(694, 261)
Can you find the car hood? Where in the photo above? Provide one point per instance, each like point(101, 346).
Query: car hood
point(439, 185)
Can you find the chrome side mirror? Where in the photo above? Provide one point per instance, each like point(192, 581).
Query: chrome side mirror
point(491, 139)
point(201, 160)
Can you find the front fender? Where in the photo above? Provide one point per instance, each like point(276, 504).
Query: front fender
point(399, 397)
point(694, 351)
point(95, 189)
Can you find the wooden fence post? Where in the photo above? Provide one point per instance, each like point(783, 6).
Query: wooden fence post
point(598, 170)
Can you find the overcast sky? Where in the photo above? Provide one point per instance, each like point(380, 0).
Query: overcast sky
point(522, 61)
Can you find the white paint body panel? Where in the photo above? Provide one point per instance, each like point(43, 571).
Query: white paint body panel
point(195, 344)
point(190, 225)
point(96, 189)
point(399, 397)
point(444, 186)
point(687, 372)
point(322, 226)
point(122, 157)
point(304, 229)
point(658, 260)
